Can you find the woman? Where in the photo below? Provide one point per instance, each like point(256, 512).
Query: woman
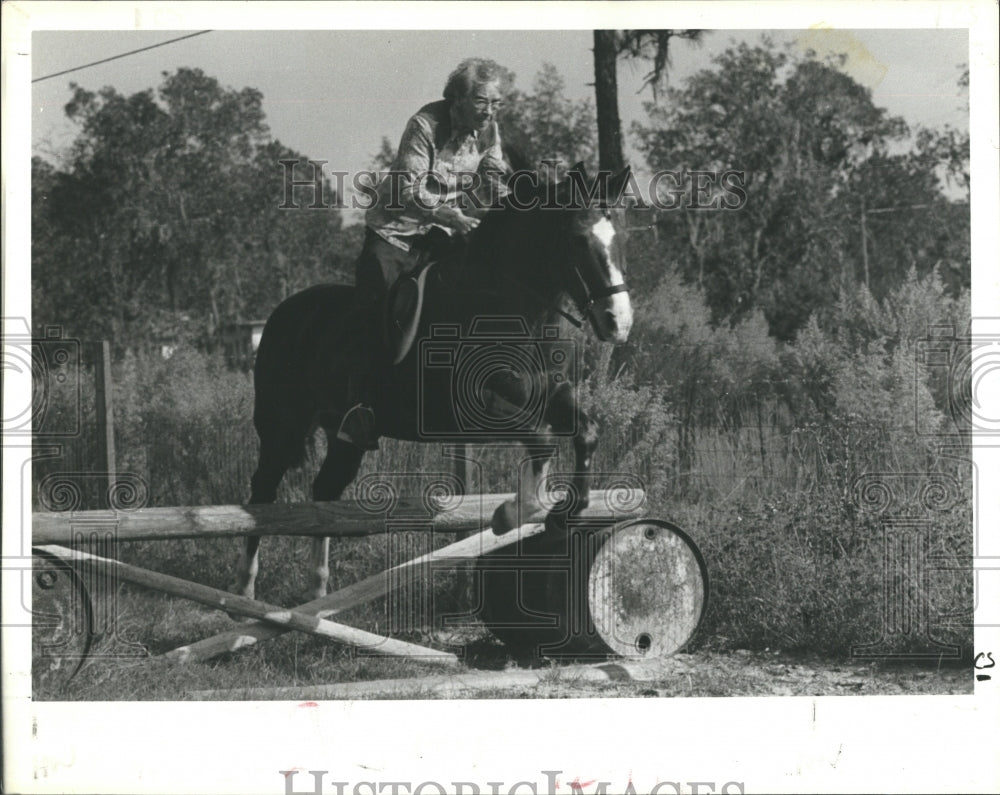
point(448, 168)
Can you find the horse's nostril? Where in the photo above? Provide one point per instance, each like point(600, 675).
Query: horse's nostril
point(609, 318)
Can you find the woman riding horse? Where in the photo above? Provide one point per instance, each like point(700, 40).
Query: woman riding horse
point(321, 360)
point(419, 214)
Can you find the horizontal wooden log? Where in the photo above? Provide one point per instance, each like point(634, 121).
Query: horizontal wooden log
point(366, 590)
point(459, 683)
point(342, 518)
point(275, 616)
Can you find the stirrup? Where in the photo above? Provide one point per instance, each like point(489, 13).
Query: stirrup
point(358, 428)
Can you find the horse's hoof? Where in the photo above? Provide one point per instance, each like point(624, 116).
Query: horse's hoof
point(504, 518)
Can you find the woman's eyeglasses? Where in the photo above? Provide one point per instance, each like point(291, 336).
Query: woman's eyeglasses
point(486, 104)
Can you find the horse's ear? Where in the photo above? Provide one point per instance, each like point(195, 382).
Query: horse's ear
point(582, 169)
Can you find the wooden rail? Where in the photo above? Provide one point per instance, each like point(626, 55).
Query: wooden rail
point(358, 593)
point(336, 519)
point(280, 618)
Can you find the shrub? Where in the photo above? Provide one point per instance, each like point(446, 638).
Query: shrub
point(184, 424)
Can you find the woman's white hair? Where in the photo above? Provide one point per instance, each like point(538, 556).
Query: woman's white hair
point(470, 73)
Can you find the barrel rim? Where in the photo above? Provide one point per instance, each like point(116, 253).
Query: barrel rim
point(689, 542)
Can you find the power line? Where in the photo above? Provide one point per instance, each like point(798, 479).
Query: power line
point(122, 55)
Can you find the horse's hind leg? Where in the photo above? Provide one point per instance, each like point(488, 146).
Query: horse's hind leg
point(339, 468)
point(275, 459)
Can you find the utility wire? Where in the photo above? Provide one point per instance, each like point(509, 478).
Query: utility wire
point(122, 55)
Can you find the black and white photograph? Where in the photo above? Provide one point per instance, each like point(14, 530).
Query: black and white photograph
point(496, 398)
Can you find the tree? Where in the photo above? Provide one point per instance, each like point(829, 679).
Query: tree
point(609, 45)
point(609, 124)
point(546, 125)
point(165, 220)
point(830, 201)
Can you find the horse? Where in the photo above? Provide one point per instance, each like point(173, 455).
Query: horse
point(526, 257)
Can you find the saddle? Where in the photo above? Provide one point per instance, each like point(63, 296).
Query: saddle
point(403, 307)
point(405, 301)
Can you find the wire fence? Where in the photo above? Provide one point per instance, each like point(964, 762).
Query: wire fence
point(212, 464)
point(188, 452)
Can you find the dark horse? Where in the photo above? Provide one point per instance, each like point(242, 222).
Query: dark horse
point(521, 263)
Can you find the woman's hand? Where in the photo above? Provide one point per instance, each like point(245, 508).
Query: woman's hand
point(455, 219)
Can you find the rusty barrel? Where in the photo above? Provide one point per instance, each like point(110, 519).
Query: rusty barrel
point(635, 589)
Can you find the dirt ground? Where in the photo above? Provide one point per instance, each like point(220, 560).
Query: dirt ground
point(746, 673)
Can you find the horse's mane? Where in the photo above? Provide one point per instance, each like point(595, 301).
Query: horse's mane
point(515, 157)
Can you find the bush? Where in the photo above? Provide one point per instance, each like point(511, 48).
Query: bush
point(809, 575)
point(185, 425)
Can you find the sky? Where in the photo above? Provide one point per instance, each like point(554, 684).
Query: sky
point(332, 95)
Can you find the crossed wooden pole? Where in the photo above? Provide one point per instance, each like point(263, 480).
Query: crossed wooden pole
point(335, 519)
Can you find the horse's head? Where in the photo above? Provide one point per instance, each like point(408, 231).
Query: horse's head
point(588, 255)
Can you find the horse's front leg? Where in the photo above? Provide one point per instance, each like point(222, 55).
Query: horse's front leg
point(565, 416)
point(530, 485)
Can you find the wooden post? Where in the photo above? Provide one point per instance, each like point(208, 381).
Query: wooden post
point(864, 239)
point(101, 352)
point(461, 459)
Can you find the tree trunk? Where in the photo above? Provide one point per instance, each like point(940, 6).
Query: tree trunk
point(611, 156)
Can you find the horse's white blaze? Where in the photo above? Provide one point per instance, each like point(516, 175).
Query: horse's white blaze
point(618, 305)
point(621, 310)
point(604, 231)
point(616, 276)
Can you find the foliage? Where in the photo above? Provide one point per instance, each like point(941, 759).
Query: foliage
point(833, 196)
point(654, 46)
point(178, 421)
point(546, 125)
point(167, 216)
point(808, 576)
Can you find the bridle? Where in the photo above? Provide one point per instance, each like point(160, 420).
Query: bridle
point(586, 307)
